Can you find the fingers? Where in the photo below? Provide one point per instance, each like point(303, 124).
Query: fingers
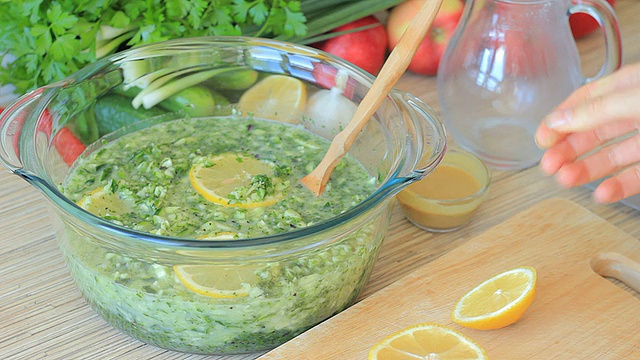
point(618, 187)
point(546, 137)
point(605, 100)
point(628, 77)
point(596, 111)
point(575, 145)
point(606, 161)
point(577, 135)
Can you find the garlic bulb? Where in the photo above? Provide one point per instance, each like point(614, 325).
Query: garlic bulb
point(328, 112)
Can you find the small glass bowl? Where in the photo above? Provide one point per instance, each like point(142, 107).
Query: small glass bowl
point(446, 199)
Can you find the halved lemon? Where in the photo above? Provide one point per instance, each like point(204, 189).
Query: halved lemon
point(230, 180)
point(498, 301)
point(222, 282)
point(104, 203)
point(276, 97)
point(426, 341)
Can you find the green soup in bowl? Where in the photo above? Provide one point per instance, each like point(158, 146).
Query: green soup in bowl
point(183, 221)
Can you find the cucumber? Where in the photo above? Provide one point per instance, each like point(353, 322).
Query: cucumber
point(195, 101)
point(129, 92)
point(85, 127)
point(240, 79)
point(114, 111)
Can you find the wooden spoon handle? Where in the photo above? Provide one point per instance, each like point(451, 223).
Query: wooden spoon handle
point(391, 71)
point(618, 266)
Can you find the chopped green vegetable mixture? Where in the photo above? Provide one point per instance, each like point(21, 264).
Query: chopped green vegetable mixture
point(148, 169)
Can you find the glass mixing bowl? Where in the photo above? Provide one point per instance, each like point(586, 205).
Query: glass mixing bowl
point(300, 277)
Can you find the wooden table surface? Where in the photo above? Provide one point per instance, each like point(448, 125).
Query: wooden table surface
point(42, 314)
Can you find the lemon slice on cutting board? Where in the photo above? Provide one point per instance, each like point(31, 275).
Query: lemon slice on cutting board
point(276, 97)
point(236, 180)
point(426, 341)
point(498, 301)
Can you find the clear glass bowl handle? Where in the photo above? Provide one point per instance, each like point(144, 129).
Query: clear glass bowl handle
point(429, 136)
point(13, 121)
point(604, 14)
point(425, 144)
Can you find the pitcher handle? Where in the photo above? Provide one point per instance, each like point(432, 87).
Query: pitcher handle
point(606, 17)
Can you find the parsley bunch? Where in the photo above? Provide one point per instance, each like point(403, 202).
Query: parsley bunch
point(51, 39)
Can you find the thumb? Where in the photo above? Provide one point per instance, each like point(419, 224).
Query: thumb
point(596, 111)
point(599, 98)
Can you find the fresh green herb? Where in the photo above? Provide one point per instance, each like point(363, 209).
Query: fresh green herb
point(282, 170)
point(51, 39)
point(261, 186)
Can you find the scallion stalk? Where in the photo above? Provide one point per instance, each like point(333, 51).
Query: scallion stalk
point(155, 96)
point(326, 15)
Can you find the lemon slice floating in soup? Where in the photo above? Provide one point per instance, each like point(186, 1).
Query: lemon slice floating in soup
point(236, 180)
point(222, 235)
point(217, 281)
point(216, 236)
point(104, 203)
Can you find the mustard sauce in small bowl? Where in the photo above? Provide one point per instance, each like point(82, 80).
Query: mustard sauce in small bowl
point(447, 198)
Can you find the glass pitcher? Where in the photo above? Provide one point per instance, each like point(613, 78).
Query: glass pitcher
point(509, 63)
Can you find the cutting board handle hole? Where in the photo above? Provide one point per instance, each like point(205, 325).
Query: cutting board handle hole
point(619, 267)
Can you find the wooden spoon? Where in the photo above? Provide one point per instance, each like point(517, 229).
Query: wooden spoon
point(392, 70)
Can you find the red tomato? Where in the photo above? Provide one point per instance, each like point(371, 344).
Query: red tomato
point(67, 144)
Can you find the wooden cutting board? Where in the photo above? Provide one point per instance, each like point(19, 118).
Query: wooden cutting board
point(577, 314)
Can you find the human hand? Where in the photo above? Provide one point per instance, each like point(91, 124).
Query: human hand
point(593, 115)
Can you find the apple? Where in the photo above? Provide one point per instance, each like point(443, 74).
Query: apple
point(428, 55)
point(583, 24)
point(365, 48)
